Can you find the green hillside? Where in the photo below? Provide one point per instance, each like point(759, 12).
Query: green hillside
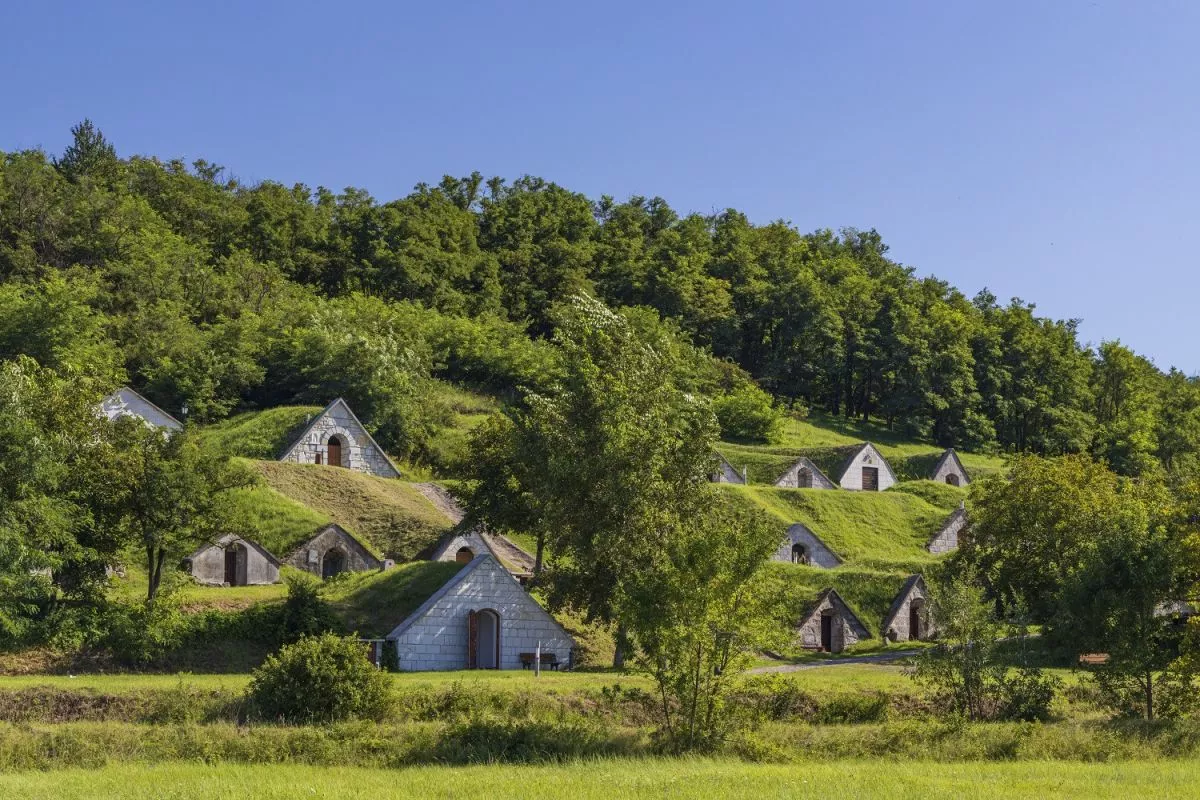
point(391, 515)
point(868, 592)
point(373, 603)
point(887, 530)
point(259, 434)
point(828, 440)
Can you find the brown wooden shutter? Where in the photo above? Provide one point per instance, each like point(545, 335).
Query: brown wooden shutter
point(472, 640)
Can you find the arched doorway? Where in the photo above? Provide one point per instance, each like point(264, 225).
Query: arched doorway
point(483, 639)
point(464, 555)
point(804, 479)
point(333, 563)
point(799, 554)
point(952, 479)
point(334, 451)
point(235, 564)
point(914, 619)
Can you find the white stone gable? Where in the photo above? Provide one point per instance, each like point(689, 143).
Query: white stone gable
point(435, 636)
point(804, 474)
point(357, 450)
point(812, 550)
point(867, 458)
point(125, 402)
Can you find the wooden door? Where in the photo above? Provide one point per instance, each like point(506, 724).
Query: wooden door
point(335, 452)
point(914, 621)
point(870, 479)
point(804, 479)
point(472, 640)
point(827, 633)
point(231, 566)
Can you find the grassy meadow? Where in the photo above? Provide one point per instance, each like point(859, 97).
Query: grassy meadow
point(653, 778)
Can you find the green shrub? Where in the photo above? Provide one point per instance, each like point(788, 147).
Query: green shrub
point(852, 708)
point(748, 414)
point(305, 612)
point(1025, 695)
point(320, 679)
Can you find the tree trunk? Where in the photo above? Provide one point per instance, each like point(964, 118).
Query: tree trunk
point(1149, 695)
point(622, 646)
point(537, 560)
point(154, 564)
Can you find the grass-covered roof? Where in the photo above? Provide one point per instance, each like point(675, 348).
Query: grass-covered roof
point(262, 434)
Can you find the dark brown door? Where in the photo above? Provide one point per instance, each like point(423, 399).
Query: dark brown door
point(804, 479)
point(827, 633)
point(335, 452)
point(472, 640)
point(914, 622)
point(231, 570)
point(870, 479)
point(464, 555)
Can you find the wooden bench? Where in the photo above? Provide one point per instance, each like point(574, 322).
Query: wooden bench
point(548, 660)
point(1093, 659)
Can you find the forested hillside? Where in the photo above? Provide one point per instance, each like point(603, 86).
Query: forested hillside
point(219, 296)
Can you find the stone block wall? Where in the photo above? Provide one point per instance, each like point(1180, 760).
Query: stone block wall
point(948, 466)
point(818, 554)
point(868, 457)
point(208, 565)
point(437, 640)
point(946, 539)
point(791, 478)
point(844, 633)
point(727, 474)
point(309, 555)
point(359, 451)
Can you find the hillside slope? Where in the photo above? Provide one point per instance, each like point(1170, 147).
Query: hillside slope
point(392, 517)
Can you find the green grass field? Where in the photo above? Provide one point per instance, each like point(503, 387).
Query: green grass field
point(259, 434)
point(657, 778)
point(850, 677)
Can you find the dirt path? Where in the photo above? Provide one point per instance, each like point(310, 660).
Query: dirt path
point(442, 500)
point(879, 658)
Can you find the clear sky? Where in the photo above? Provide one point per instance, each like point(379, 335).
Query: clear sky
point(1046, 150)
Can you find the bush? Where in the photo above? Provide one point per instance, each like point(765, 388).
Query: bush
point(748, 414)
point(305, 612)
point(1025, 695)
point(320, 679)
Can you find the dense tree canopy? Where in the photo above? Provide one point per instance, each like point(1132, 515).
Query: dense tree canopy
point(204, 290)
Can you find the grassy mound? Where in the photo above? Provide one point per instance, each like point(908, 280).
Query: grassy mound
point(868, 592)
point(373, 603)
point(884, 530)
point(940, 495)
point(391, 515)
point(259, 434)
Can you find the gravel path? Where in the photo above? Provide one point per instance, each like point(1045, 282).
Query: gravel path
point(442, 500)
point(880, 658)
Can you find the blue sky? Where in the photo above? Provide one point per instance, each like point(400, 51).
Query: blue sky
point(1046, 150)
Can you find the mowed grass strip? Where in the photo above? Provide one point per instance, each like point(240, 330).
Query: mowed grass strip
point(652, 778)
point(847, 677)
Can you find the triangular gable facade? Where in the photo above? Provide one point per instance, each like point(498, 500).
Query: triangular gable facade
point(908, 617)
point(804, 474)
point(949, 469)
point(465, 544)
point(866, 470)
point(233, 560)
point(332, 551)
point(336, 437)
point(482, 617)
point(726, 473)
point(125, 402)
point(946, 537)
point(843, 628)
point(802, 546)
